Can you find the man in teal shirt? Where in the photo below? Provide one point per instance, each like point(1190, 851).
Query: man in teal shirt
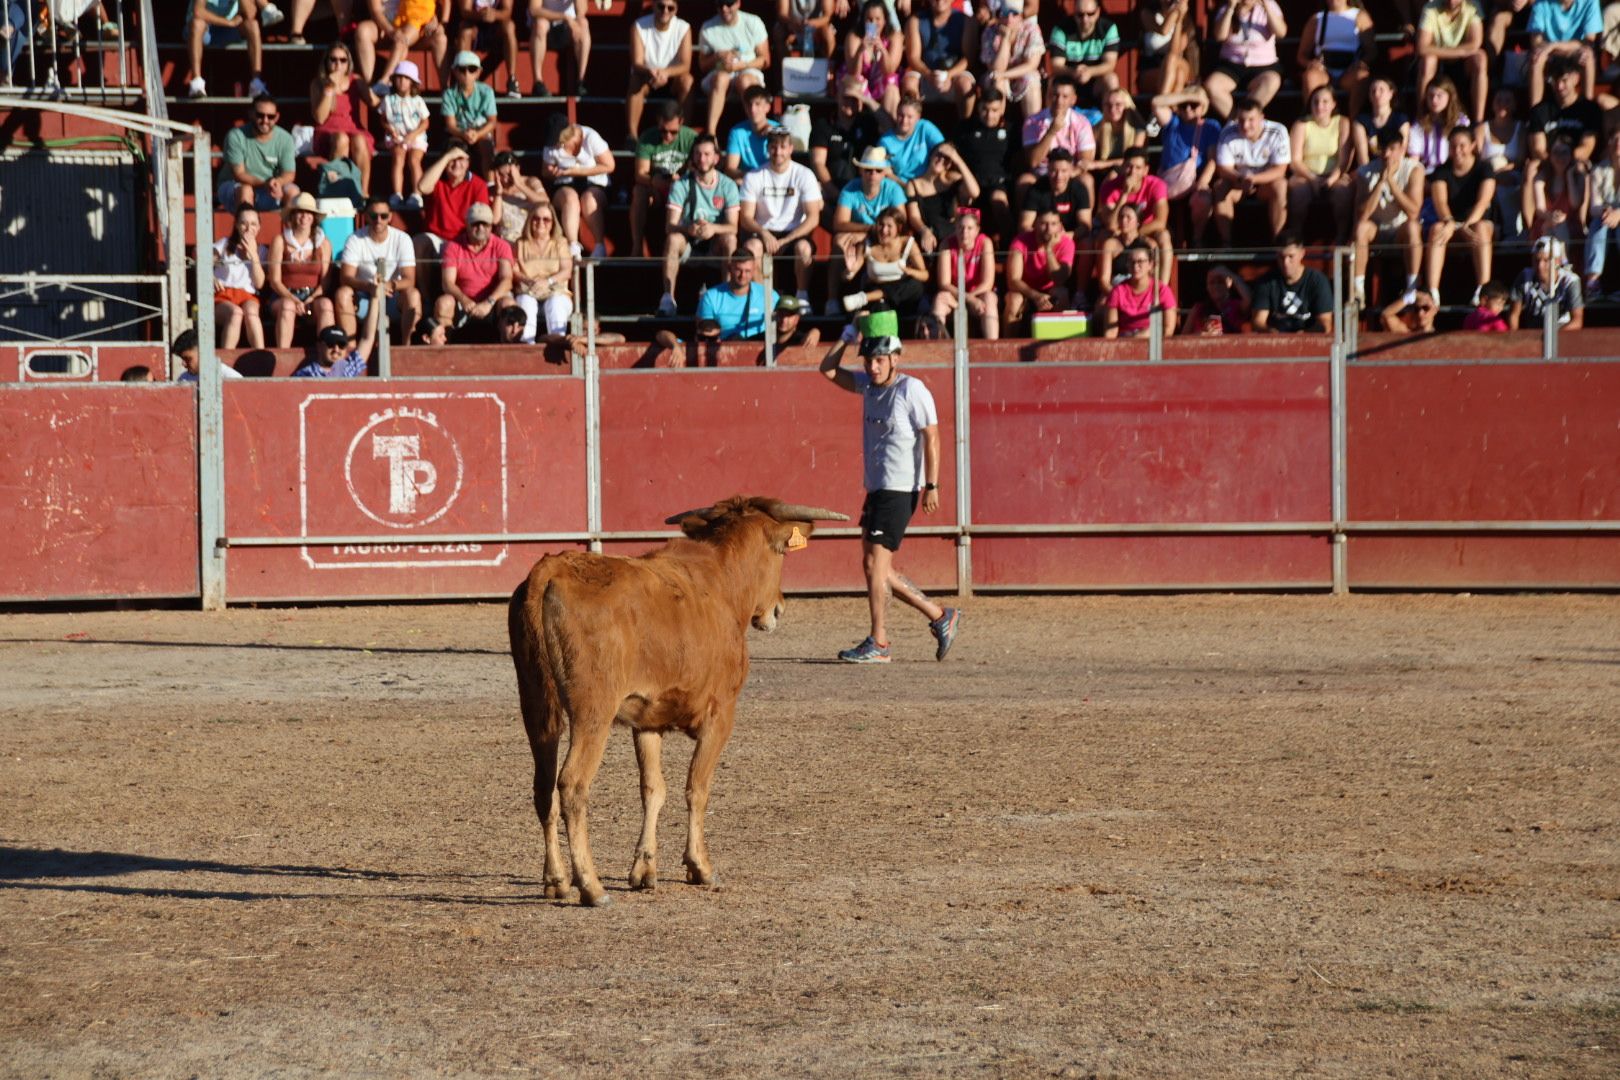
point(469, 112)
point(258, 161)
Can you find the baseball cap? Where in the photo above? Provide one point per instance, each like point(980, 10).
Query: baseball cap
point(466, 58)
point(789, 305)
point(1011, 7)
point(334, 335)
point(480, 212)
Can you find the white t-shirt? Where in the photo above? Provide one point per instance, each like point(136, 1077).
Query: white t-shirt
point(1236, 152)
point(590, 146)
point(232, 271)
point(891, 418)
point(781, 200)
point(659, 48)
point(362, 252)
point(744, 37)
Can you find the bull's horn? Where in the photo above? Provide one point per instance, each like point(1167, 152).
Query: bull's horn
point(707, 513)
point(793, 512)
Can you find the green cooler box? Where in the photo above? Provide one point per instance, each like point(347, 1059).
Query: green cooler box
point(1058, 325)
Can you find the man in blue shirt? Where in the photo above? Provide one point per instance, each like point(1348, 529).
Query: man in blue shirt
point(737, 310)
point(859, 204)
point(335, 357)
point(1187, 160)
point(746, 145)
point(911, 141)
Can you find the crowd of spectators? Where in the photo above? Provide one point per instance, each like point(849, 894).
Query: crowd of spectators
point(1005, 146)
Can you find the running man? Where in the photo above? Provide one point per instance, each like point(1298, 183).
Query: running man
point(900, 445)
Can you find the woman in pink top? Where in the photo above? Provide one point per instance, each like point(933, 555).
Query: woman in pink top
point(340, 103)
point(1136, 186)
point(1248, 31)
point(979, 265)
point(1133, 301)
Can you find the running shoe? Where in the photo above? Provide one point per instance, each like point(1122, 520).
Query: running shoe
point(867, 652)
point(944, 631)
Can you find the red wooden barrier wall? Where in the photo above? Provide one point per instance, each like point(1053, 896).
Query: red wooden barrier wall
point(99, 486)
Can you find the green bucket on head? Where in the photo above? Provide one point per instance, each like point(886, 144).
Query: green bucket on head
point(880, 324)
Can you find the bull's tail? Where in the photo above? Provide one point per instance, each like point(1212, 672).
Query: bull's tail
point(535, 661)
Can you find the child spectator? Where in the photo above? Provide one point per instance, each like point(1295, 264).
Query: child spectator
point(238, 277)
point(1488, 317)
point(405, 117)
point(1131, 305)
point(468, 109)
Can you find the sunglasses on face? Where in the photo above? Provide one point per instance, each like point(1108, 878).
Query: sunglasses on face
point(468, 70)
point(380, 215)
point(337, 59)
point(265, 115)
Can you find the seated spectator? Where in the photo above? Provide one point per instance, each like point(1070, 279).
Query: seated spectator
point(543, 277)
point(1131, 305)
point(477, 274)
point(874, 54)
point(1114, 268)
point(1188, 140)
point(1169, 52)
point(1506, 16)
point(1410, 316)
point(911, 141)
point(1225, 307)
point(1602, 199)
point(661, 153)
point(1293, 298)
point(430, 331)
point(1489, 316)
point(340, 103)
point(1120, 129)
point(931, 200)
point(553, 23)
point(577, 167)
point(836, 141)
point(1321, 150)
point(701, 216)
point(142, 373)
point(511, 325)
point(1552, 197)
point(1548, 279)
point(299, 266)
point(1389, 209)
point(405, 117)
point(257, 161)
point(1565, 117)
point(745, 145)
point(734, 51)
point(238, 278)
point(791, 333)
point(483, 25)
point(513, 196)
point(1085, 47)
point(978, 276)
point(211, 22)
point(334, 357)
point(660, 60)
point(377, 245)
point(1060, 124)
point(186, 351)
point(298, 17)
point(1568, 30)
point(889, 267)
point(450, 188)
point(859, 205)
point(941, 43)
point(1380, 117)
point(1428, 140)
point(1247, 32)
point(468, 108)
point(736, 310)
point(1504, 144)
point(989, 153)
point(804, 28)
point(1335, 49)
point(1462, 191)
point(1137, 186)
point(1039, 266)
point(1011, 53)
point(1251, 161)
point(781, 207)
point(1063, 190)
point(406, 24)
point(1451, 42)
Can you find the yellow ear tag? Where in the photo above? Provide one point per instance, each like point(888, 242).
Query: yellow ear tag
point(797, 540)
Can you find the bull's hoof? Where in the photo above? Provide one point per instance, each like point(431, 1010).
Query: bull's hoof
point(644, 874)
point(698, 876)
point(599, 900)
point(556, 890)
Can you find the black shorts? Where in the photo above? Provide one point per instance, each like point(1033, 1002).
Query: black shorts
point(1243, 76)
point(885, 515)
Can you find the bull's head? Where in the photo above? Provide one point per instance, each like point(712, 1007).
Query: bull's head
point(776, 522)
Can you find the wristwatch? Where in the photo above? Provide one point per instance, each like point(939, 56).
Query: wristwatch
point(930, 487)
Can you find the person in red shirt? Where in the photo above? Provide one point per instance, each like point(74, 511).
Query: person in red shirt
point(1133, 302)
point(1135, 185)
point(1039, 266)
point(1490, 316)
point(477, 274)
point(450, 188)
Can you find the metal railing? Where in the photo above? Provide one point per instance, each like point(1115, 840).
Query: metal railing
point(53, 46)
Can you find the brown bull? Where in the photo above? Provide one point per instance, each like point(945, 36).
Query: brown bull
point(657, 643)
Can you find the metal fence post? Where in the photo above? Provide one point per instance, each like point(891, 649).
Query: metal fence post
point(1343, 336)
point(379, 304)
point(174, 238)
point(593, 415)
point(964, 453)
point(1549, 330)
point(770, 315)
point(210, 407)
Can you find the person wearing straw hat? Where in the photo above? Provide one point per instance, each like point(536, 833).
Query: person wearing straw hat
point(859, 203)
point(300, 260)
point(900, 449)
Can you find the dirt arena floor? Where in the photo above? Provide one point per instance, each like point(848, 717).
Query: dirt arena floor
point(1207, 836)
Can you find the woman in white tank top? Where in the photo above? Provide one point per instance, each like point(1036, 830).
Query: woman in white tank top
point(1334, 49)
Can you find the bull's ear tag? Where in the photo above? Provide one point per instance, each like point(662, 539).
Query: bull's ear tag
point(797, 540)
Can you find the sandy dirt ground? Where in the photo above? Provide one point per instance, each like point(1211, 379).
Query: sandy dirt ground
point(1206, 836)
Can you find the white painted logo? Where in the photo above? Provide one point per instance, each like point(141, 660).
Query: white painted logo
point(409, 446)
point(408, 475)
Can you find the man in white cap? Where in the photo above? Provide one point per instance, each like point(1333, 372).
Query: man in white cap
point(477, 273)
point(900, 446)
point(468, 108)
point(859, 204)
